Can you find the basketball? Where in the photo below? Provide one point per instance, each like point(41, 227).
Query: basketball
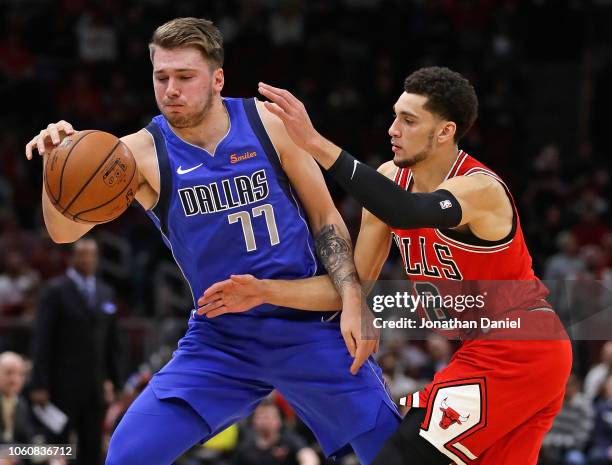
point(90, 177)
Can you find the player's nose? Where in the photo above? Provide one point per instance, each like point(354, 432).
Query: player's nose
point(172, 91)
point(394, 130)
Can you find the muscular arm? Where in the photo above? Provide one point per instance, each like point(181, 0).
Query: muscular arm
point(64, 230)
point(332, 240)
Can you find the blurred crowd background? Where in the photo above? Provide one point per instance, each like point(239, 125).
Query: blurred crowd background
point(541, 69)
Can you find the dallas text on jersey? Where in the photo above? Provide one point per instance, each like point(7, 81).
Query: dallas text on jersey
point(224, 195)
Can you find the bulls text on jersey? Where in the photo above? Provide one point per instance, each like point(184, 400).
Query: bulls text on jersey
point(416, 263)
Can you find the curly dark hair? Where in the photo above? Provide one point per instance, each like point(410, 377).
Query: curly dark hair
point(449, 96)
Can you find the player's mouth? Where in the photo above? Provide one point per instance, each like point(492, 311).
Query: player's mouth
point(395, 148)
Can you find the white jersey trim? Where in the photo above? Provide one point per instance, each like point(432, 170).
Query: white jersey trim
point(473, 248)
point(480, 170)
point(158, 171)
point(461, 155)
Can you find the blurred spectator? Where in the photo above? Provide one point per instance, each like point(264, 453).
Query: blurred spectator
point(16, 282)
point(590, 228)
point(16, 59)
point(597, 375)
point(47, 258)
point(594, 262)
point(565, 263)
point(561, 267)
point(76, 349)
point(601, 452)
point(12, 236)
point(287, 24)
point(439, 351)
point(97, 39)
point(15, 421)
point(565, 444)
point(399, 384)
point(590, 200)
point(269, 443)
point(85, 109)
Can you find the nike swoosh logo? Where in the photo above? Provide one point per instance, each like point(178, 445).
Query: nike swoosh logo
point(355, 163)
point(180, 169)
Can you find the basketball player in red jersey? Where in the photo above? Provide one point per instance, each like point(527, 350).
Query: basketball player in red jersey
point(453, 220)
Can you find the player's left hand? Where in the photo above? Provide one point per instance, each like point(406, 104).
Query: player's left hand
point(237, 294)
point(360, 336)
point(293, 114)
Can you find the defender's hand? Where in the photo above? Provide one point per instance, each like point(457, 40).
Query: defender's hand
point(293, 114)
point(237, 294)
point(49, 138)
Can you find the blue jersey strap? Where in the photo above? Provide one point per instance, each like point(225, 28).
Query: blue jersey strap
point(165, 177)
point(250, 108)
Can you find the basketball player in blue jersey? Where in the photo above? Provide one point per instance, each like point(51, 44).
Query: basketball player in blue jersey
point(215, 179)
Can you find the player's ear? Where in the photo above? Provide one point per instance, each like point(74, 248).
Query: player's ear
point(218, 79)
point(446, 131)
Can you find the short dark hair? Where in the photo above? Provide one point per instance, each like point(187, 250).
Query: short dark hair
point(190, 32)
point(449, 96)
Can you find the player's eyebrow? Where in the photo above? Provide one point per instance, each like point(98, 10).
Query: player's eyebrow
point(405, 113)
point(178, 70)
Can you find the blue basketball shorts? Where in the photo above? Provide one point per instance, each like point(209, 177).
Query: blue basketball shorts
point(225, 366)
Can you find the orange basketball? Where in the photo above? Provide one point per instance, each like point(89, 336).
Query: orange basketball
point(91, 177)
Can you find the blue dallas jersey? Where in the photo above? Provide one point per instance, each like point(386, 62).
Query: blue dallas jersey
point(232, 211)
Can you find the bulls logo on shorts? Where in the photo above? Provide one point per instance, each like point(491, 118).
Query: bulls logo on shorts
point(450, 416)
point(455, 410)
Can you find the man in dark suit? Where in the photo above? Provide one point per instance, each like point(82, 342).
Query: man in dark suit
point(76, 349)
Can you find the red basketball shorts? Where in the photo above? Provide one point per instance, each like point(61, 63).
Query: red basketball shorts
point(495, 400)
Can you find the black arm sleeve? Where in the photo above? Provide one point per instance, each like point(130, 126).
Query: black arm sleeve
point(390, 203)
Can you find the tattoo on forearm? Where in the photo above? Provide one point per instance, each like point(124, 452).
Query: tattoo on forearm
point(336, 253)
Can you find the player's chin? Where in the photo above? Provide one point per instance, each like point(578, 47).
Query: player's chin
point(401, 161)
point(177, 120)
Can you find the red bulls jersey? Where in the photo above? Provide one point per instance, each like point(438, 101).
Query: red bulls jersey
point(473, 413)
point(455, 261)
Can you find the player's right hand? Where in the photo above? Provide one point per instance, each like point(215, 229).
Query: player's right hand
point(47, 139)
point(237, 294)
